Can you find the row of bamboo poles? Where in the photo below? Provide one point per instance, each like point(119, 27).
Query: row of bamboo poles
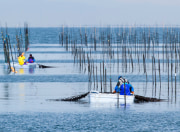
point(11, 52)
point(149, 51)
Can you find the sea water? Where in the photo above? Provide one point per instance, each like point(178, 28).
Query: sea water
point(26, 97)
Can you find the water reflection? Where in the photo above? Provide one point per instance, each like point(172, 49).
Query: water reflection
point(21, 71)
point(6, 70)
point(21, 93)
point(31, 89)
point(6, 91)
point(110, 105)
point(31, 70)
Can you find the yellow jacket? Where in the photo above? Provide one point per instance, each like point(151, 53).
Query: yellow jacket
point(21, 60)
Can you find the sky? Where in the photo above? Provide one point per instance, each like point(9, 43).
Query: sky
point(55, 13)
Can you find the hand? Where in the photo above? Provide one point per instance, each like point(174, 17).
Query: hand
point(114, 91)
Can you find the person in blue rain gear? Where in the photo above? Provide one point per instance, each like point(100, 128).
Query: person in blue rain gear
point(31, 59)
point(121, 80)
point(129, 90)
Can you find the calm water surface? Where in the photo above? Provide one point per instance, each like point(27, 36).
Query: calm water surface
point(25, 103)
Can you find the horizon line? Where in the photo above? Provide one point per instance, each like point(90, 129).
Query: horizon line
point(100, 26)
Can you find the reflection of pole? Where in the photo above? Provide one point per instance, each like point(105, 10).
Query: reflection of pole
point(105, 81)
point(152, 77)
point(159, 79)
point(96, 80)
point(6, 91)
point(175, 86)
point(110, 77)
point(175, 73)
point(118, 100)
point(168, 78)
point(103, 75)
point(171, 80)
point(124, 93)
point(155, 74)
point(100, 77)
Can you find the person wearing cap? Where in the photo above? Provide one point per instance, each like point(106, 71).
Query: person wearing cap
point(21, 59)
point(31, 59)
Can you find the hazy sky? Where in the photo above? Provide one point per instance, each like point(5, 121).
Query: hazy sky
point(54, 13)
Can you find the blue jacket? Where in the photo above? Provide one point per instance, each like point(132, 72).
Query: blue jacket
point(128, 89)
point(31, 60)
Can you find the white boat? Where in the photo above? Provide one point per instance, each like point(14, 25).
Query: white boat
point(26, 66)
point(97, 97)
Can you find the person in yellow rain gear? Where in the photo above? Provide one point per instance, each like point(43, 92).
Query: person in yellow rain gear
point(21, 59)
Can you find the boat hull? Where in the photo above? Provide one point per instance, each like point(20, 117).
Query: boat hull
point(96, 97)
point(27, 66)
